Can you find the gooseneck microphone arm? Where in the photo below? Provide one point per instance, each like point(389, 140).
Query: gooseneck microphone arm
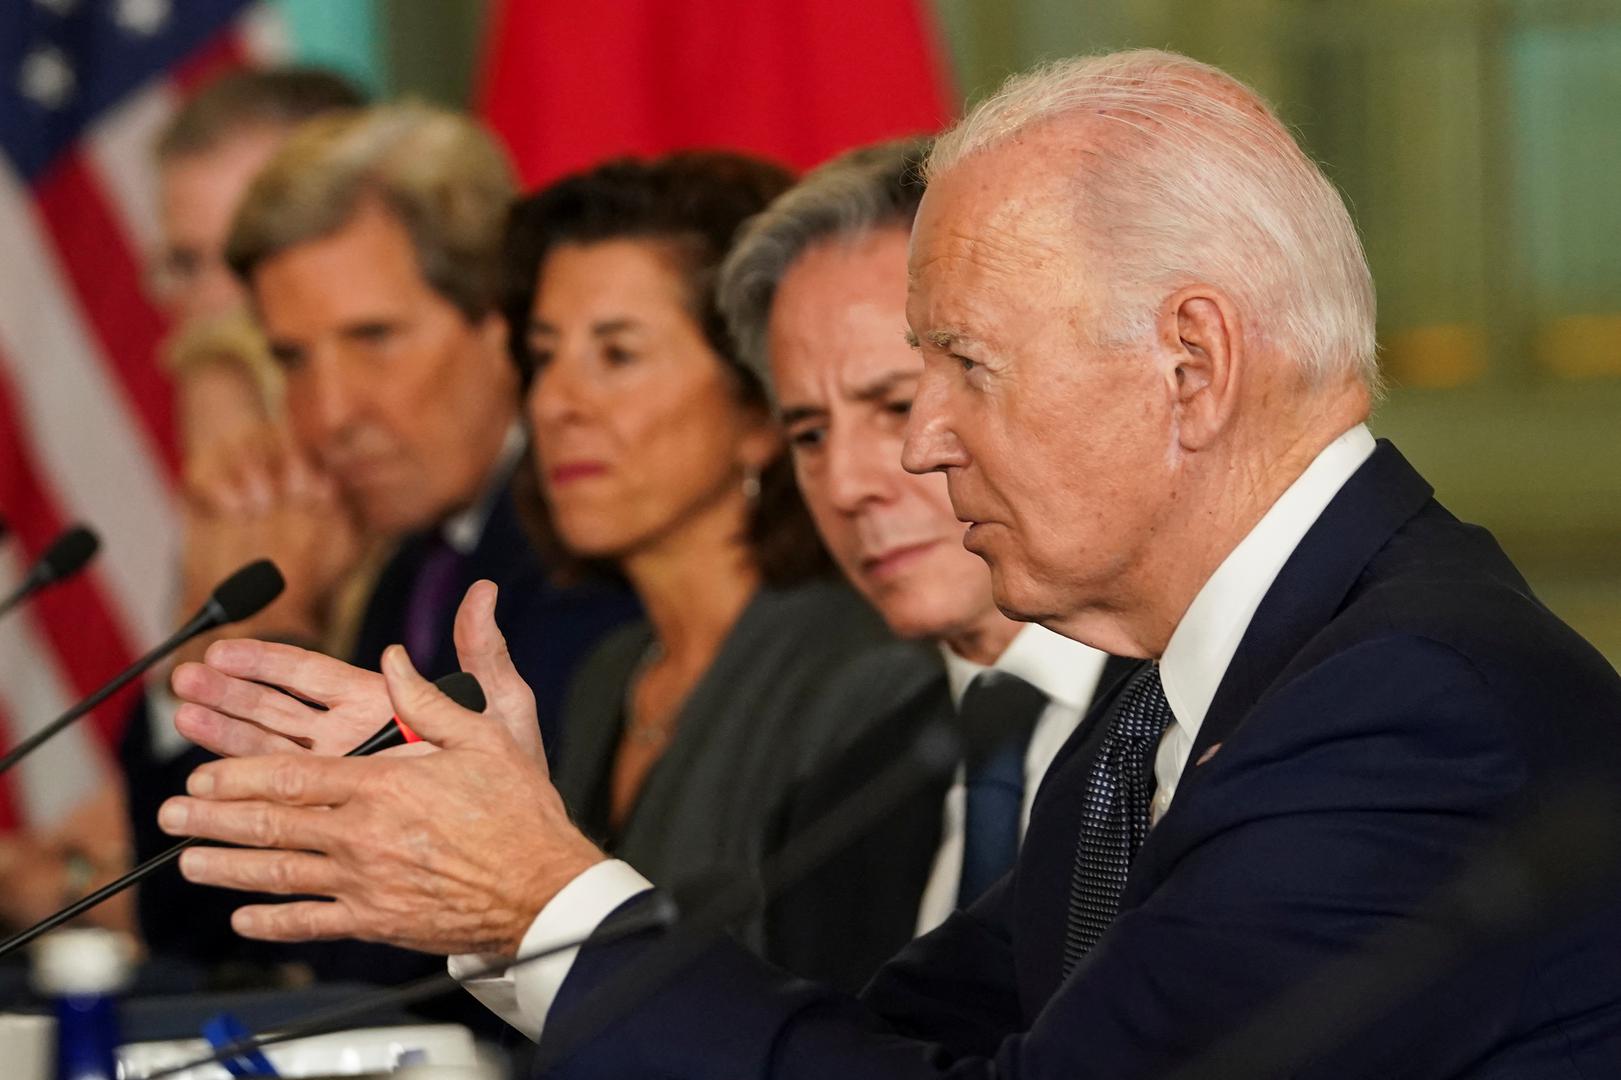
point(241, 595)
point(67, 555)
point(458, 686)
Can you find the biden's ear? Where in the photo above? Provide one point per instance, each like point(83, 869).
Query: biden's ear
point(1200, 327)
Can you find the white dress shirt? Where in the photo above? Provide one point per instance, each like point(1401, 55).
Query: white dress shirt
point(1203, 643)
point(1191, 669)
point(1067, 672)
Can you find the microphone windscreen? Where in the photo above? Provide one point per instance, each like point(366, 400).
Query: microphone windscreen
point(69, 553)
point(463, 689)
point(248, 591)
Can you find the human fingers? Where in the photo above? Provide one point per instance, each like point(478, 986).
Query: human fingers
point(482, 650)
point(428, 712)
point(301, 920)
point(288, 779)
point(248, 471)
point(229, 737)
point(297, 474)
point(207, 686)
point(311, 675)
point(280, 873)
point(252, 823)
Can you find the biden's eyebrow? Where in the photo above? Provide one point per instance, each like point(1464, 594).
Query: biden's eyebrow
point(945, 338)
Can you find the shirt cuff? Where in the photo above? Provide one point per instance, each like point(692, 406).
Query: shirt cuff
point(522, 996)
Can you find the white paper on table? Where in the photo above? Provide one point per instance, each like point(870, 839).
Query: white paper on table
point(342, 1053)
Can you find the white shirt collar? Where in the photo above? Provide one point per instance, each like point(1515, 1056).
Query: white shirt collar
point(1065, 670)
point(1203, 644)
point(463, 529)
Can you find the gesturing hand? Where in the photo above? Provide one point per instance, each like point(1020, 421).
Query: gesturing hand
point(228, 711)
point(450, 852)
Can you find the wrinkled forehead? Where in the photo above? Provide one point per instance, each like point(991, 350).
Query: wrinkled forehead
point(1007, 214)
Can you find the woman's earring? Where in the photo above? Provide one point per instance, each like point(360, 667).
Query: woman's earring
point(751, 483)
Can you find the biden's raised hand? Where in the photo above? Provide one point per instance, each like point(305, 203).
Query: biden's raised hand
point(448, 852)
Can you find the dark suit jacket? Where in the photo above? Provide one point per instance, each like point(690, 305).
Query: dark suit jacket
point(1399, 696)
point(549, 631)
point(843, 920)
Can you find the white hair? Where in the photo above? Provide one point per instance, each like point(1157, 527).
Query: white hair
point(1188, 177)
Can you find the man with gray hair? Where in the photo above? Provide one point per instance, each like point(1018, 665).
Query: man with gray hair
point(1364, 762)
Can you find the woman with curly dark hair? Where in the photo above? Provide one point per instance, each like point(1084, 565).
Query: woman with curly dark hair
point(655, 451)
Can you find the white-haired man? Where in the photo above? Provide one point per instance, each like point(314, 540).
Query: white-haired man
point(1147, 333)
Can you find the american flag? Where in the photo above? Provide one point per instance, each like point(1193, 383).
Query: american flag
point(86, 424)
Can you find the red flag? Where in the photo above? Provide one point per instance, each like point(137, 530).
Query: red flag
point(568, 84)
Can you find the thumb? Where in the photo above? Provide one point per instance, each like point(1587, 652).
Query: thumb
point(425, 710)
point(483, 653)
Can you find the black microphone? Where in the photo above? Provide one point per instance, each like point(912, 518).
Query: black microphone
point(244, 593)
point(66, 556)
point(458, 686)
point(933, 753)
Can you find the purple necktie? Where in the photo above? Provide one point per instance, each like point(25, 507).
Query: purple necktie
point(430, 605)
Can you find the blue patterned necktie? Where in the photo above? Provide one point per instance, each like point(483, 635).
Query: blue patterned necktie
point(997, 714)
point(1115, 820)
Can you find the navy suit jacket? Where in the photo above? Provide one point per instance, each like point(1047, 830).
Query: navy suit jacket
point(1398, 697)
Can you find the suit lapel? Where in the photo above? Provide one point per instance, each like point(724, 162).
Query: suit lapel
point(1116, 670)
point(1381, 497)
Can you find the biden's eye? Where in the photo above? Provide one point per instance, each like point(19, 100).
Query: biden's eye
point(964, 362)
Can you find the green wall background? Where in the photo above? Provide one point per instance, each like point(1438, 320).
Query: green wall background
point(1479, 142)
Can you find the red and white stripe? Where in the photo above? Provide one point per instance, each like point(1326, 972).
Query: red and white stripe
point(87, 426)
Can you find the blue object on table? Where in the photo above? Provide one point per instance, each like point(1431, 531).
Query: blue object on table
point(223, 1029)
point(86, 1037)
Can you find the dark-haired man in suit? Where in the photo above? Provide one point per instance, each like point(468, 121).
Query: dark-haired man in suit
point(1147, 330)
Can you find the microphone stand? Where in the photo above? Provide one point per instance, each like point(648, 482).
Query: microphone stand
point(211, 615)
point(459, 686)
